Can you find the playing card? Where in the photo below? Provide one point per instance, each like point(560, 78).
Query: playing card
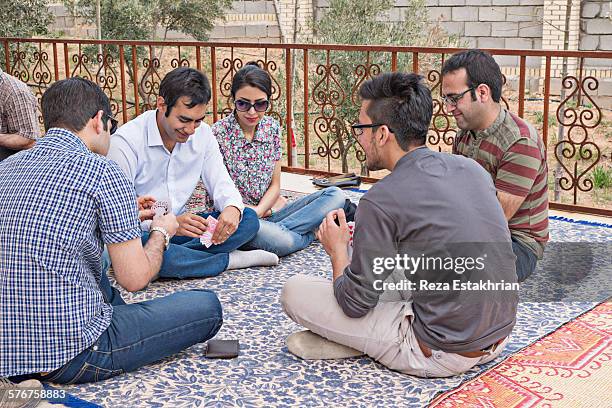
point(351, 226)
point(161, 207)
point(206, 237)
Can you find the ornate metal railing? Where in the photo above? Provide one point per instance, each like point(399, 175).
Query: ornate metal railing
point(315, 96)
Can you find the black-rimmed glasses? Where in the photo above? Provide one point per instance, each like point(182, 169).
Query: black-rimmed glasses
point(453, 99)
point(358, 127)
point(245, 106)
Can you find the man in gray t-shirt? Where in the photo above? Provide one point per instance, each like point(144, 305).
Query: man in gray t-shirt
point(430, 289)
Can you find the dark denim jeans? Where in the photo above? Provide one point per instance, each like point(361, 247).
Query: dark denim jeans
point(188, 258)
point(526, 260)
point(142, 333)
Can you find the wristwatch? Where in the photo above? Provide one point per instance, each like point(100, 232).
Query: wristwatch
point(165, 234)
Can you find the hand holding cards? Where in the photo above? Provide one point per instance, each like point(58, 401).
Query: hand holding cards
point(206, 237)
point(161, 207)
point(148, 203)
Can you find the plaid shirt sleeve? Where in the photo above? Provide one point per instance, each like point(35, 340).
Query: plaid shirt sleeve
point(117, 207)
point(22, 118)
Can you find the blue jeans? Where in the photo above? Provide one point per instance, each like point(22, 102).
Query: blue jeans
point(187, 258)
point(526, 260)
point(292, 227)
point(142, 333)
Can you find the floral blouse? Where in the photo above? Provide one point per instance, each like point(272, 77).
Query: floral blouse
point(249, 164)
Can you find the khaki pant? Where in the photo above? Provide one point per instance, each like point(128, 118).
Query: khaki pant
point(385, 333)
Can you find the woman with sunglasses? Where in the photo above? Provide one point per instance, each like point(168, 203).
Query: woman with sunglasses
point(250, 144)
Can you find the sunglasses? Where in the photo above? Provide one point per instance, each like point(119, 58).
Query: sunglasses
point(114, 122)
point(245, 106)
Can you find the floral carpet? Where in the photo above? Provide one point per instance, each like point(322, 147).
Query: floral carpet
point(267, 375)
point(570, 367)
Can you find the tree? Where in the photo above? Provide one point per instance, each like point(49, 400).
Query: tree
point(369, 23)
point(24, 18)
point(144, 19)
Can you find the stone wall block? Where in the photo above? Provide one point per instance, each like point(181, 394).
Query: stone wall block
point(505, 29)
point(599, 26)
point(477, 29)
point(605, 43)
point(439, 13)
point(451, 2)
point(523, 13)
point(590, 10)
point(454, 27)
point(489, 42)
point(530, 30)
point(492, 14)
point(465, 14)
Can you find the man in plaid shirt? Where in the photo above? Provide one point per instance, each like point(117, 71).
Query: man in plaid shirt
point(507, 146)
point(60, 202)
point(19, 126)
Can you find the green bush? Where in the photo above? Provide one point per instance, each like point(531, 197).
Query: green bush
point(602, 177)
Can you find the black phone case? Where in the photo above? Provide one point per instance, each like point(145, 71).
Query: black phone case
point(222, 349)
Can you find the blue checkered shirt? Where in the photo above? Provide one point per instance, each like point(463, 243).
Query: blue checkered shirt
point(59, 203)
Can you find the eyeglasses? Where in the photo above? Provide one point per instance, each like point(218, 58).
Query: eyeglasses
point(453, 99)
point(114, 122)
point(358, 127)
point(245, 106)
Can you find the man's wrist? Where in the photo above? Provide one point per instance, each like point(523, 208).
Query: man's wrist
point(165, 234)
point(238, 209)
point(340, 260)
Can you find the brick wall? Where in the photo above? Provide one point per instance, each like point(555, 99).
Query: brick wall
point(596, 30)
point(483, 23)
point(492, 23)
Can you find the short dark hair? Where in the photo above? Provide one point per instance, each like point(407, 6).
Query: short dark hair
point(184, 81)
point(403, 103)
point(252, 75)
point(480, 67)
point(71, 102)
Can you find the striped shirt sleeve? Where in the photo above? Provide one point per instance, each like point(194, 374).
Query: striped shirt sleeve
point(519, 168)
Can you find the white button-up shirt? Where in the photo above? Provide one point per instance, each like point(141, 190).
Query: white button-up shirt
point(138, 149)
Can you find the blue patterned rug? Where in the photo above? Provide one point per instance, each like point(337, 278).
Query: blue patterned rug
point(267, 375)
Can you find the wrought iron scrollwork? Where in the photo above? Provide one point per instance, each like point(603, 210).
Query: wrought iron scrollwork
point(577, 149)
point(232, 65)
point(106, 78)
point(149, 84)
point(328, 95)
point(81, 68)
point(179, 61)
point(41, 74)
point(19, 69)
point(441, 134)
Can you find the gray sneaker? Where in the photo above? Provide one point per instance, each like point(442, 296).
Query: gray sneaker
point(26, 394)
point(310, 346)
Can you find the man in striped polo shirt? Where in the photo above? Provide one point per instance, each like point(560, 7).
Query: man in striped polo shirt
point(508, 147)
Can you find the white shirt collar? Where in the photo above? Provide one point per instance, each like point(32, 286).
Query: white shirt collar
point(153, 136)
